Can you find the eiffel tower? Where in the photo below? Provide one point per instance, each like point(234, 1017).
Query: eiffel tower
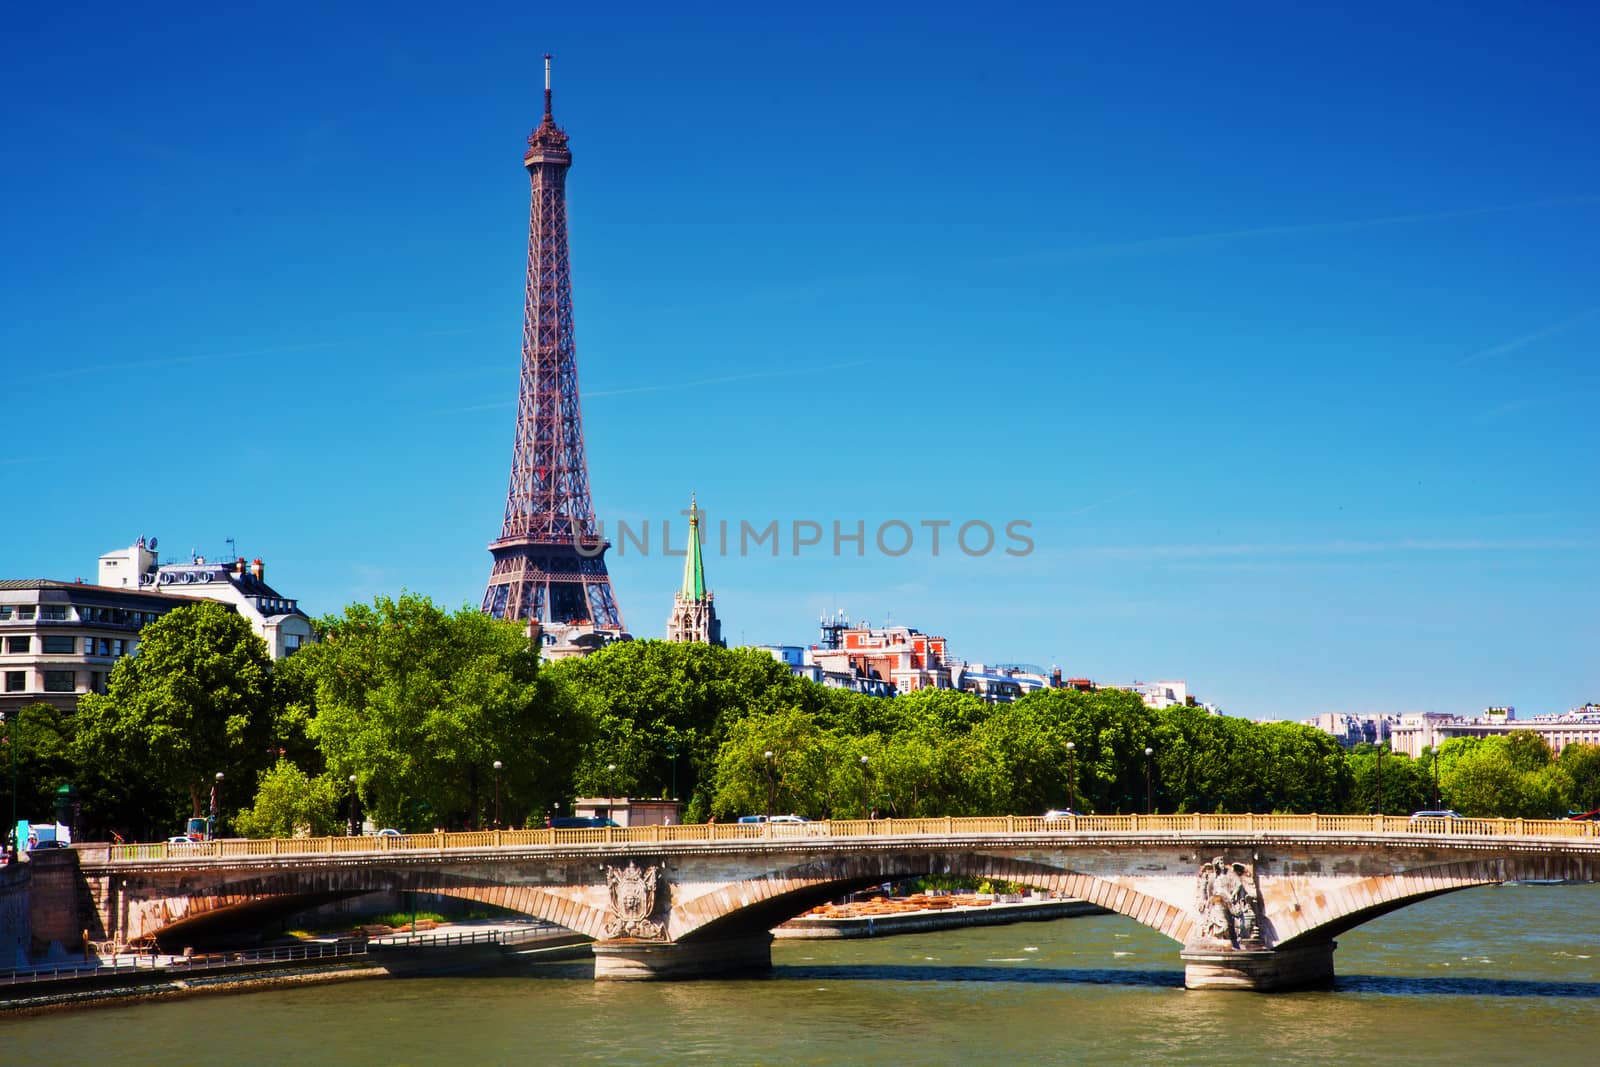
point(549, 560)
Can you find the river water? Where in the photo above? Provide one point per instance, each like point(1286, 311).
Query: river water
point(1501, 975)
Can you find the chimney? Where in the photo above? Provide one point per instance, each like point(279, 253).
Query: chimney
point(256, 570)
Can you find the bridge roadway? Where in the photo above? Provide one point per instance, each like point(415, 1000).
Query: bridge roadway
point(1254, 901)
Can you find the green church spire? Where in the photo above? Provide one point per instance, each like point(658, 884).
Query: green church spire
point(694, 568)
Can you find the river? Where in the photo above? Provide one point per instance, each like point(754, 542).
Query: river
point(1501, 975)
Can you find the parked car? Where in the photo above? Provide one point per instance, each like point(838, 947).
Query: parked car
point(1061, 813)
point(388, 832)
point(180, 839)
point(1438, 813)
point(580, 822)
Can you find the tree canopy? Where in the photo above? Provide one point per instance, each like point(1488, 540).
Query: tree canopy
point(419, 704)
point(196, 700)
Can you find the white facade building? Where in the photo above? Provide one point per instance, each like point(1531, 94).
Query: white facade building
point(275, 618)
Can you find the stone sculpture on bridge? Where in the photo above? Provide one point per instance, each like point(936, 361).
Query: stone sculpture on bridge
point(1228, 903)
point(633, 901)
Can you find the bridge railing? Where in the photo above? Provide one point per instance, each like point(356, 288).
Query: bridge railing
point(847, 828)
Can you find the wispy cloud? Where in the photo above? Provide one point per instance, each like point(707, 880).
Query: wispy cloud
point(1153, 553)
point(1505, 348)
point(810, 289)
point(180, 361)
point(1183, 241)
point(1112, 499)
point(662, 387)
point(751, 376)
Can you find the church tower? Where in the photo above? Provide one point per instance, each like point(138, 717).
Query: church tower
point(694, 615)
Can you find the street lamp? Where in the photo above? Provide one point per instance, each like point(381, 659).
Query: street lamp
point(672, 753)
point(211, 823)
point(1380, 778)
point(497, 766)
point(354, 826)
point(1149, 797)
point(1072, 779)
point(611, 780)
point(1436, 777)
point(769, 784)
point(866, 813)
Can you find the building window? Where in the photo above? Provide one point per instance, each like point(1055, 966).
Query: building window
point(16, 681)
point(88, 646)
point(119, 647)
point(53, 613)
point(97, 682)
point(60, 681)
point(25, 612)
point(59, 646)
point(5, 612)
point(105, 646)
point(19, 644)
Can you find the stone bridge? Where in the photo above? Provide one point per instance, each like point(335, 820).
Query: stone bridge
point(1254, 902)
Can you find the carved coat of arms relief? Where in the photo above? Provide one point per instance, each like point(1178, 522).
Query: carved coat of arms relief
point(633, 902)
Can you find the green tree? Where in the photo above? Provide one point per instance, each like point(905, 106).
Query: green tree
point(1503, 777)
point(1406, 787)
point(419, 703)
point(42, 736)
point(662, 709)
point(288, 803)
point(795, 779)
point(195, 701)
point(1582, 764)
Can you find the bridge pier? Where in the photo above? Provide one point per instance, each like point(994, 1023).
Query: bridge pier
point(628, 960)
point(1261, 970)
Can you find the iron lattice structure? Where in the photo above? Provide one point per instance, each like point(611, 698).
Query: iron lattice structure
point(549, 560)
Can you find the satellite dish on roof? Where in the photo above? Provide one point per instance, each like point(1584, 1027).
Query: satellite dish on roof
point(152, 544)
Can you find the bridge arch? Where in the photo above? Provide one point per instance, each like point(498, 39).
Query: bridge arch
point(761, 902)
point(157, 909)
point(1329, 912)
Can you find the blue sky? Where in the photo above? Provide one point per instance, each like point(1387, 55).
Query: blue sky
point(1280, 332)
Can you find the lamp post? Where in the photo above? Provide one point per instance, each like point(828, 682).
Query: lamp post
point(1436, 777)
point(1380, 778)
point(866, 812)
point(497, 766)
point(672, 754)
point(216, 806)
point(1149, 795)
point(611, 780)
point(769, 784)
point(1072, 778)
point(354, 826)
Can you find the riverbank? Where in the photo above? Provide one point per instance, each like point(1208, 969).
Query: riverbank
point(437, 950)
point(104, 989)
